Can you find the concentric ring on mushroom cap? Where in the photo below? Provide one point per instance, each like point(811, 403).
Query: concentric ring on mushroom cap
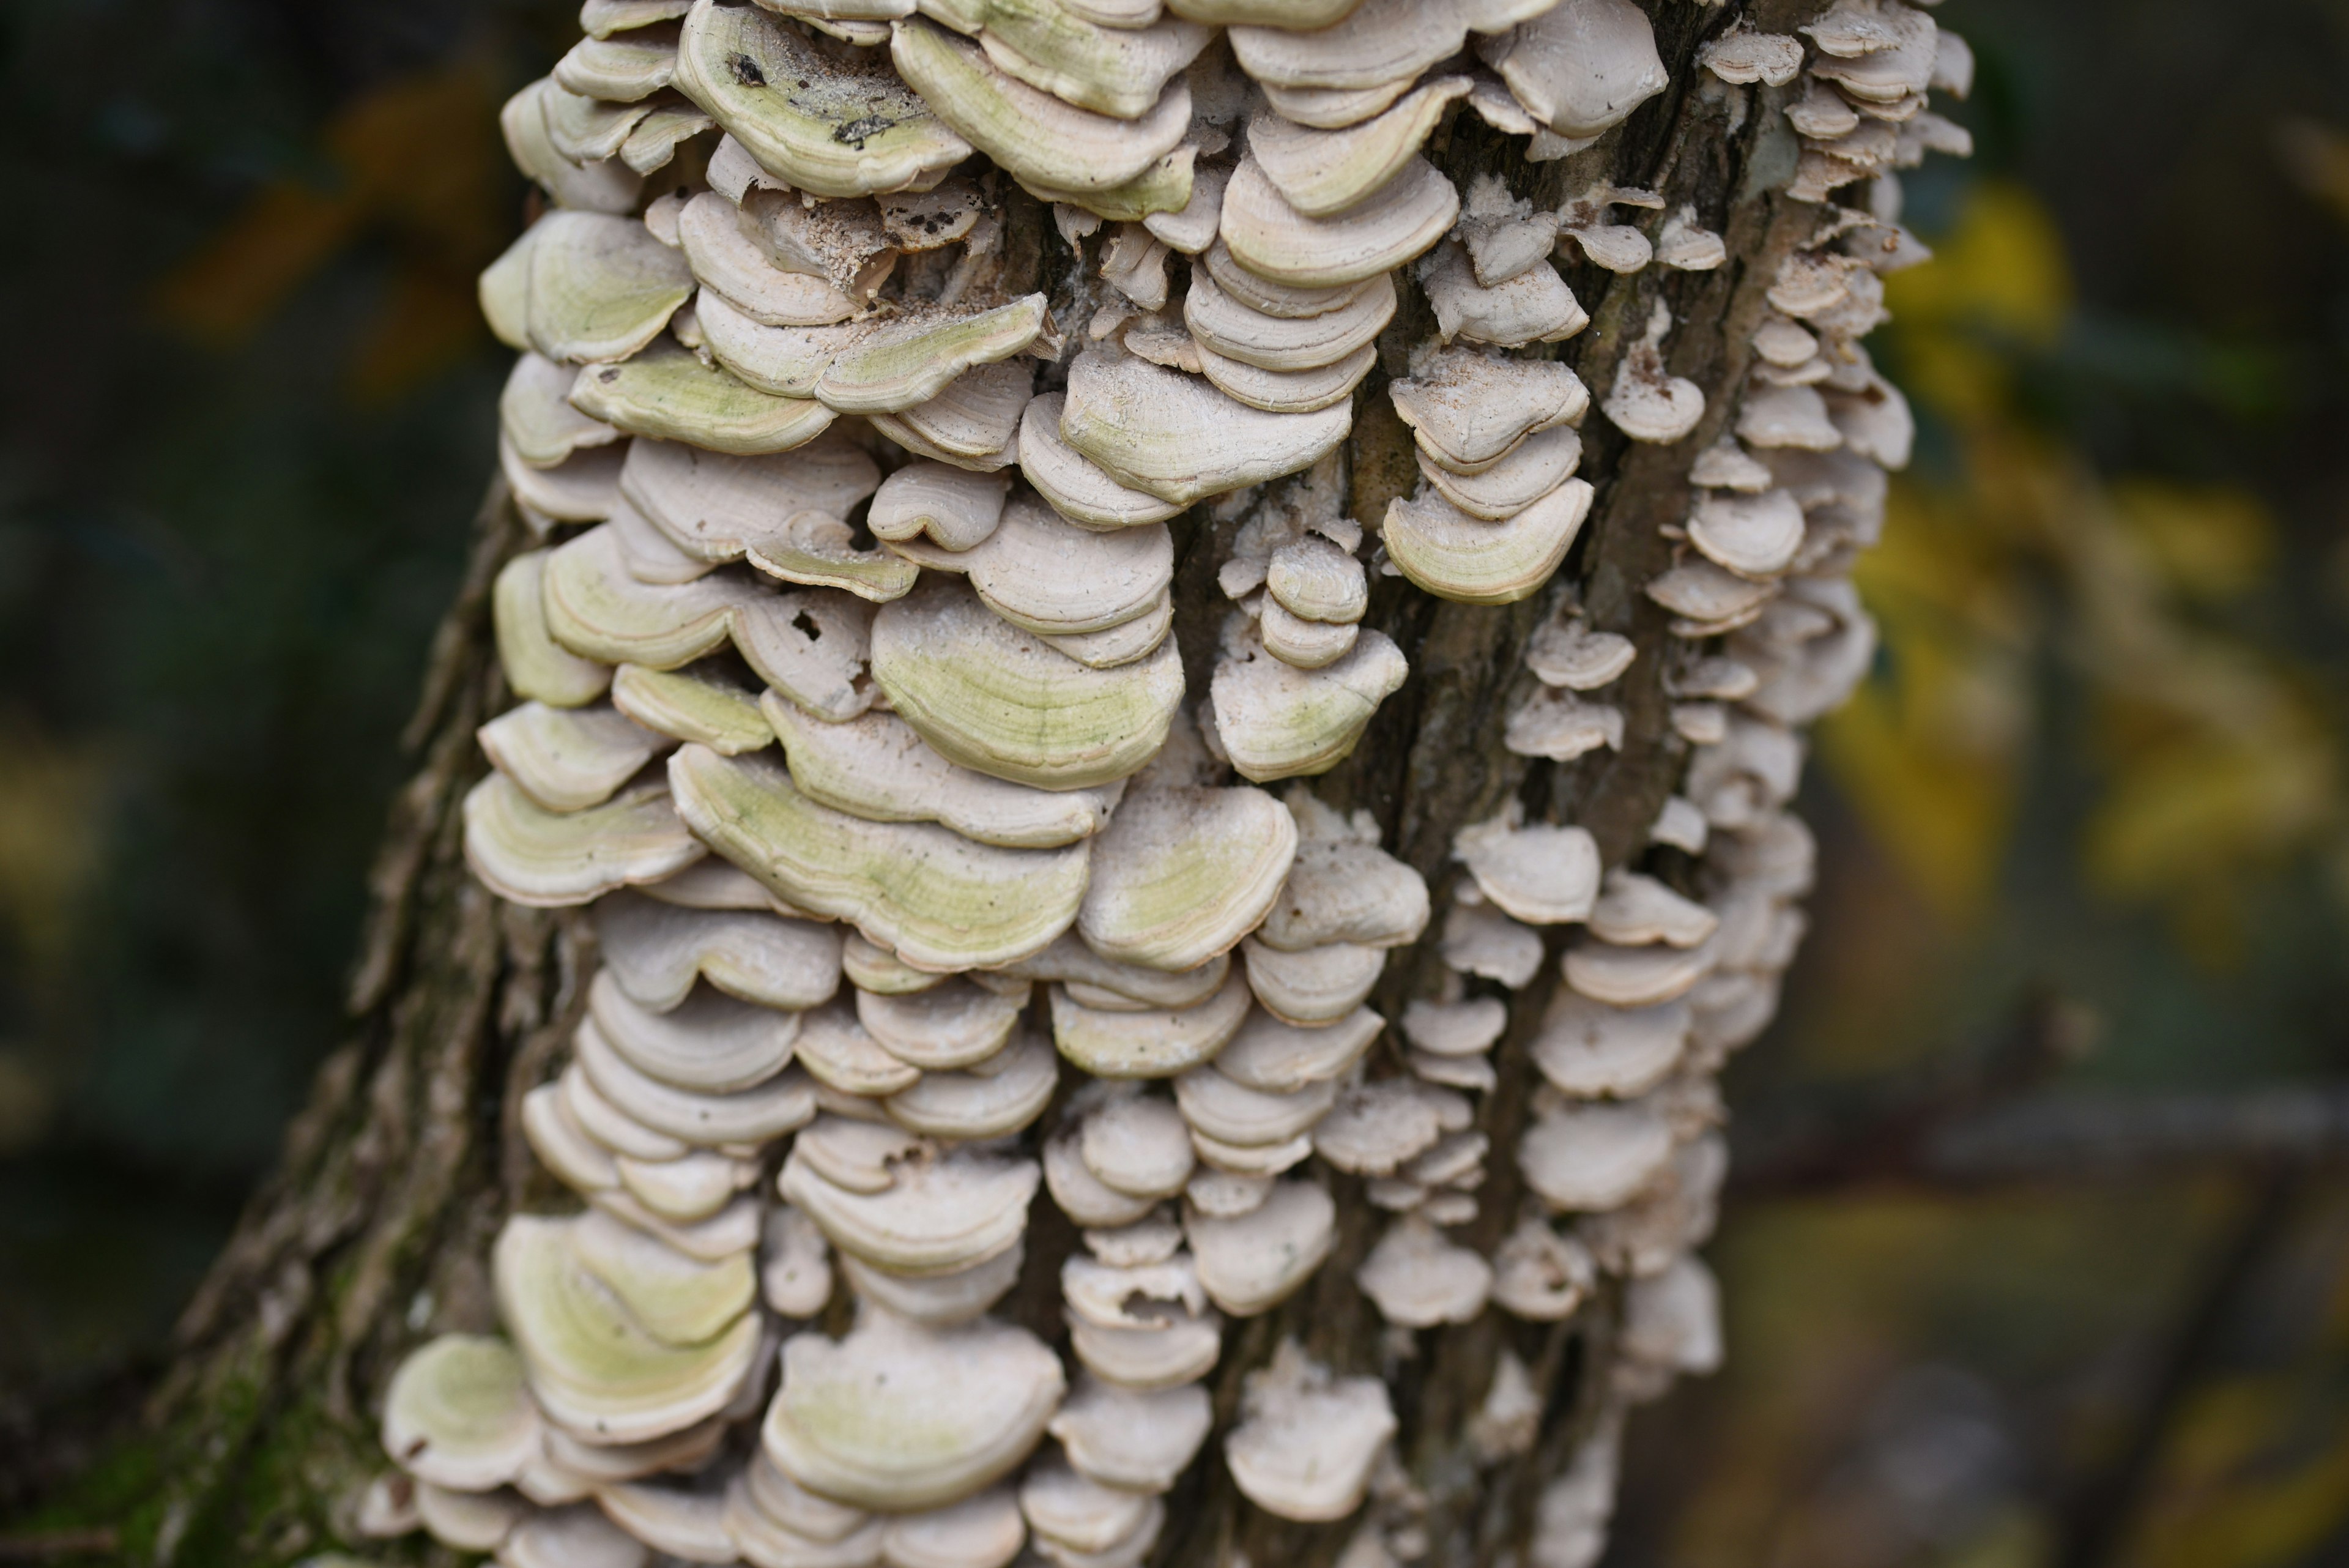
point(897, 1417)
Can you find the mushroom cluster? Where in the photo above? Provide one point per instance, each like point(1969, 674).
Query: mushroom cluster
point(850, 707)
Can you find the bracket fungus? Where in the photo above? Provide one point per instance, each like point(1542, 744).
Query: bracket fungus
point(820, 450)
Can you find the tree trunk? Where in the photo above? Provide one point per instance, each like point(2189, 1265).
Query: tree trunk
point(374, 1234)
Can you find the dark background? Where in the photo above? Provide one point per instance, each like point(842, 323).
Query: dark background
point(2092, 798)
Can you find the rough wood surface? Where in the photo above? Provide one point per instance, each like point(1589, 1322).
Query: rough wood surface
point(374, 1232)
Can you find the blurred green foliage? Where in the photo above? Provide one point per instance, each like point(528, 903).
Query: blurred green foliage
point(2103, 751)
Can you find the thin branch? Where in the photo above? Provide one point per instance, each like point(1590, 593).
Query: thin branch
point(2073, 1135)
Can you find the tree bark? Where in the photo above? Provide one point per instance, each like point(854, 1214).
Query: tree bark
point(374, 1232)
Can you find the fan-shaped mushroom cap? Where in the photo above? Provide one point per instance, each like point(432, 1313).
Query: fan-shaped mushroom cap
point(1540, 1276)
point(1275, 720)
point(458, 1415)
point(731, 61)
point(815, 1519)
point(1268, 296)
point(729, 263)
point(677, 1299)
point(1673, 1320)
point(1544, 874)
point(769, 1109)
point(1586, 1049)
point(940, 1214)
point(609, 1124)
point(679, 1523)
point(1637, 976)
point(941, 1301)
point(937, 899)
point(1070, 1511)
point(876, 767)
point(1079, 488)
point(1041, 572)
point(1286, 391)
point(1375, 1127)
point(1133, 1439)
point(972, 423)
point(1468, 409)
point(532, 855)
point(1140, 1297)
point(1561, 726)
point(535, 666)
point(1080, 1193)
point(1230, 1113)
point(1474, 1072)
point(1533, 469)
point(687, 1189)
point(993, 1098)
point(469, 1520)
point(1307, 1442)
point(600, 288)
point(1455, 1028)
point(1126, 1041)
point(710, 1042)
point(1226, 1194)
point(1163, 1355)
point(688, 708)
point(1648, 405)
point(1377, 233)
point(716, 506)
point(1312, 985)
point(1581, 67)
point(1321, 173)
point(1136, 1143)
point(656, 951)
point(596, 605)
point(1634, 909)
point(567, 759)
point(954, 1024)
point(535, 415)
point(859, 1156)
point(872, 967)
point(1274, 1057)
point(1564, 651)
point(1342, 889)
point(1755, 536)
point(1111, 986)
point(1252, 1263)
point(579, 1536)
point(1177, 438)
point(1313, 578)
point(983, 1531)
point(1420, 1279)
point(1480, 940)
point(1786, 417)
point(1455, 555)
point(1117, 69)
point(898, 1417)
point(764, 1542)
point(563, 1145)
point(957, 509)
point(1181, 875)
point(998, 699)
point(733, 1229)
point(1595, 1155)
point(1192, 227)
point(592, 1366)
point(1240, 331)
point(1707, 594)
point(670, 393)
point(1533, 306)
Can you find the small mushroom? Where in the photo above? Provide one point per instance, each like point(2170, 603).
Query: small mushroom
point(899, 1417)
point(534, 856)
point(795, 1270)
point(1136, 1143)
point(1633, 908)
point(1594, 1156)
point(1133, 1439)
point(1251, 1262)
point(536, 666)
point(536, 419)
point(1312, 986)
point(1230, 1113)
point(1455, 1028)
point(1374, 1129)
point(957, 1023)
point(1306, 1440)
point(1147, 1042)
point(1322, 172)
point(1469, 409)
point(938, 1301)
point(1074, 1512)
point(982, 1532)
point(765, 1110)
point(458, 1415)
point(1540, 1276)
point(1082, 1195)
point(1544, 874)
point(1532, 471)
point(1637, 976)
point(1420, 1279)
point(1465, 559)
point(1165, 434)
point(1586, 1049)
point(724, 259)
point(991, 1100)
point(1580, 66)
point(972, 423)
point(1647, 402)
point(710, 1041)
point(941, 1212)
point(1275, 720)
point(1382, 230)
point(711, 713)
point(1532, 305)
point(1274, 1057)
point(935, 898)
point(1480, 940)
